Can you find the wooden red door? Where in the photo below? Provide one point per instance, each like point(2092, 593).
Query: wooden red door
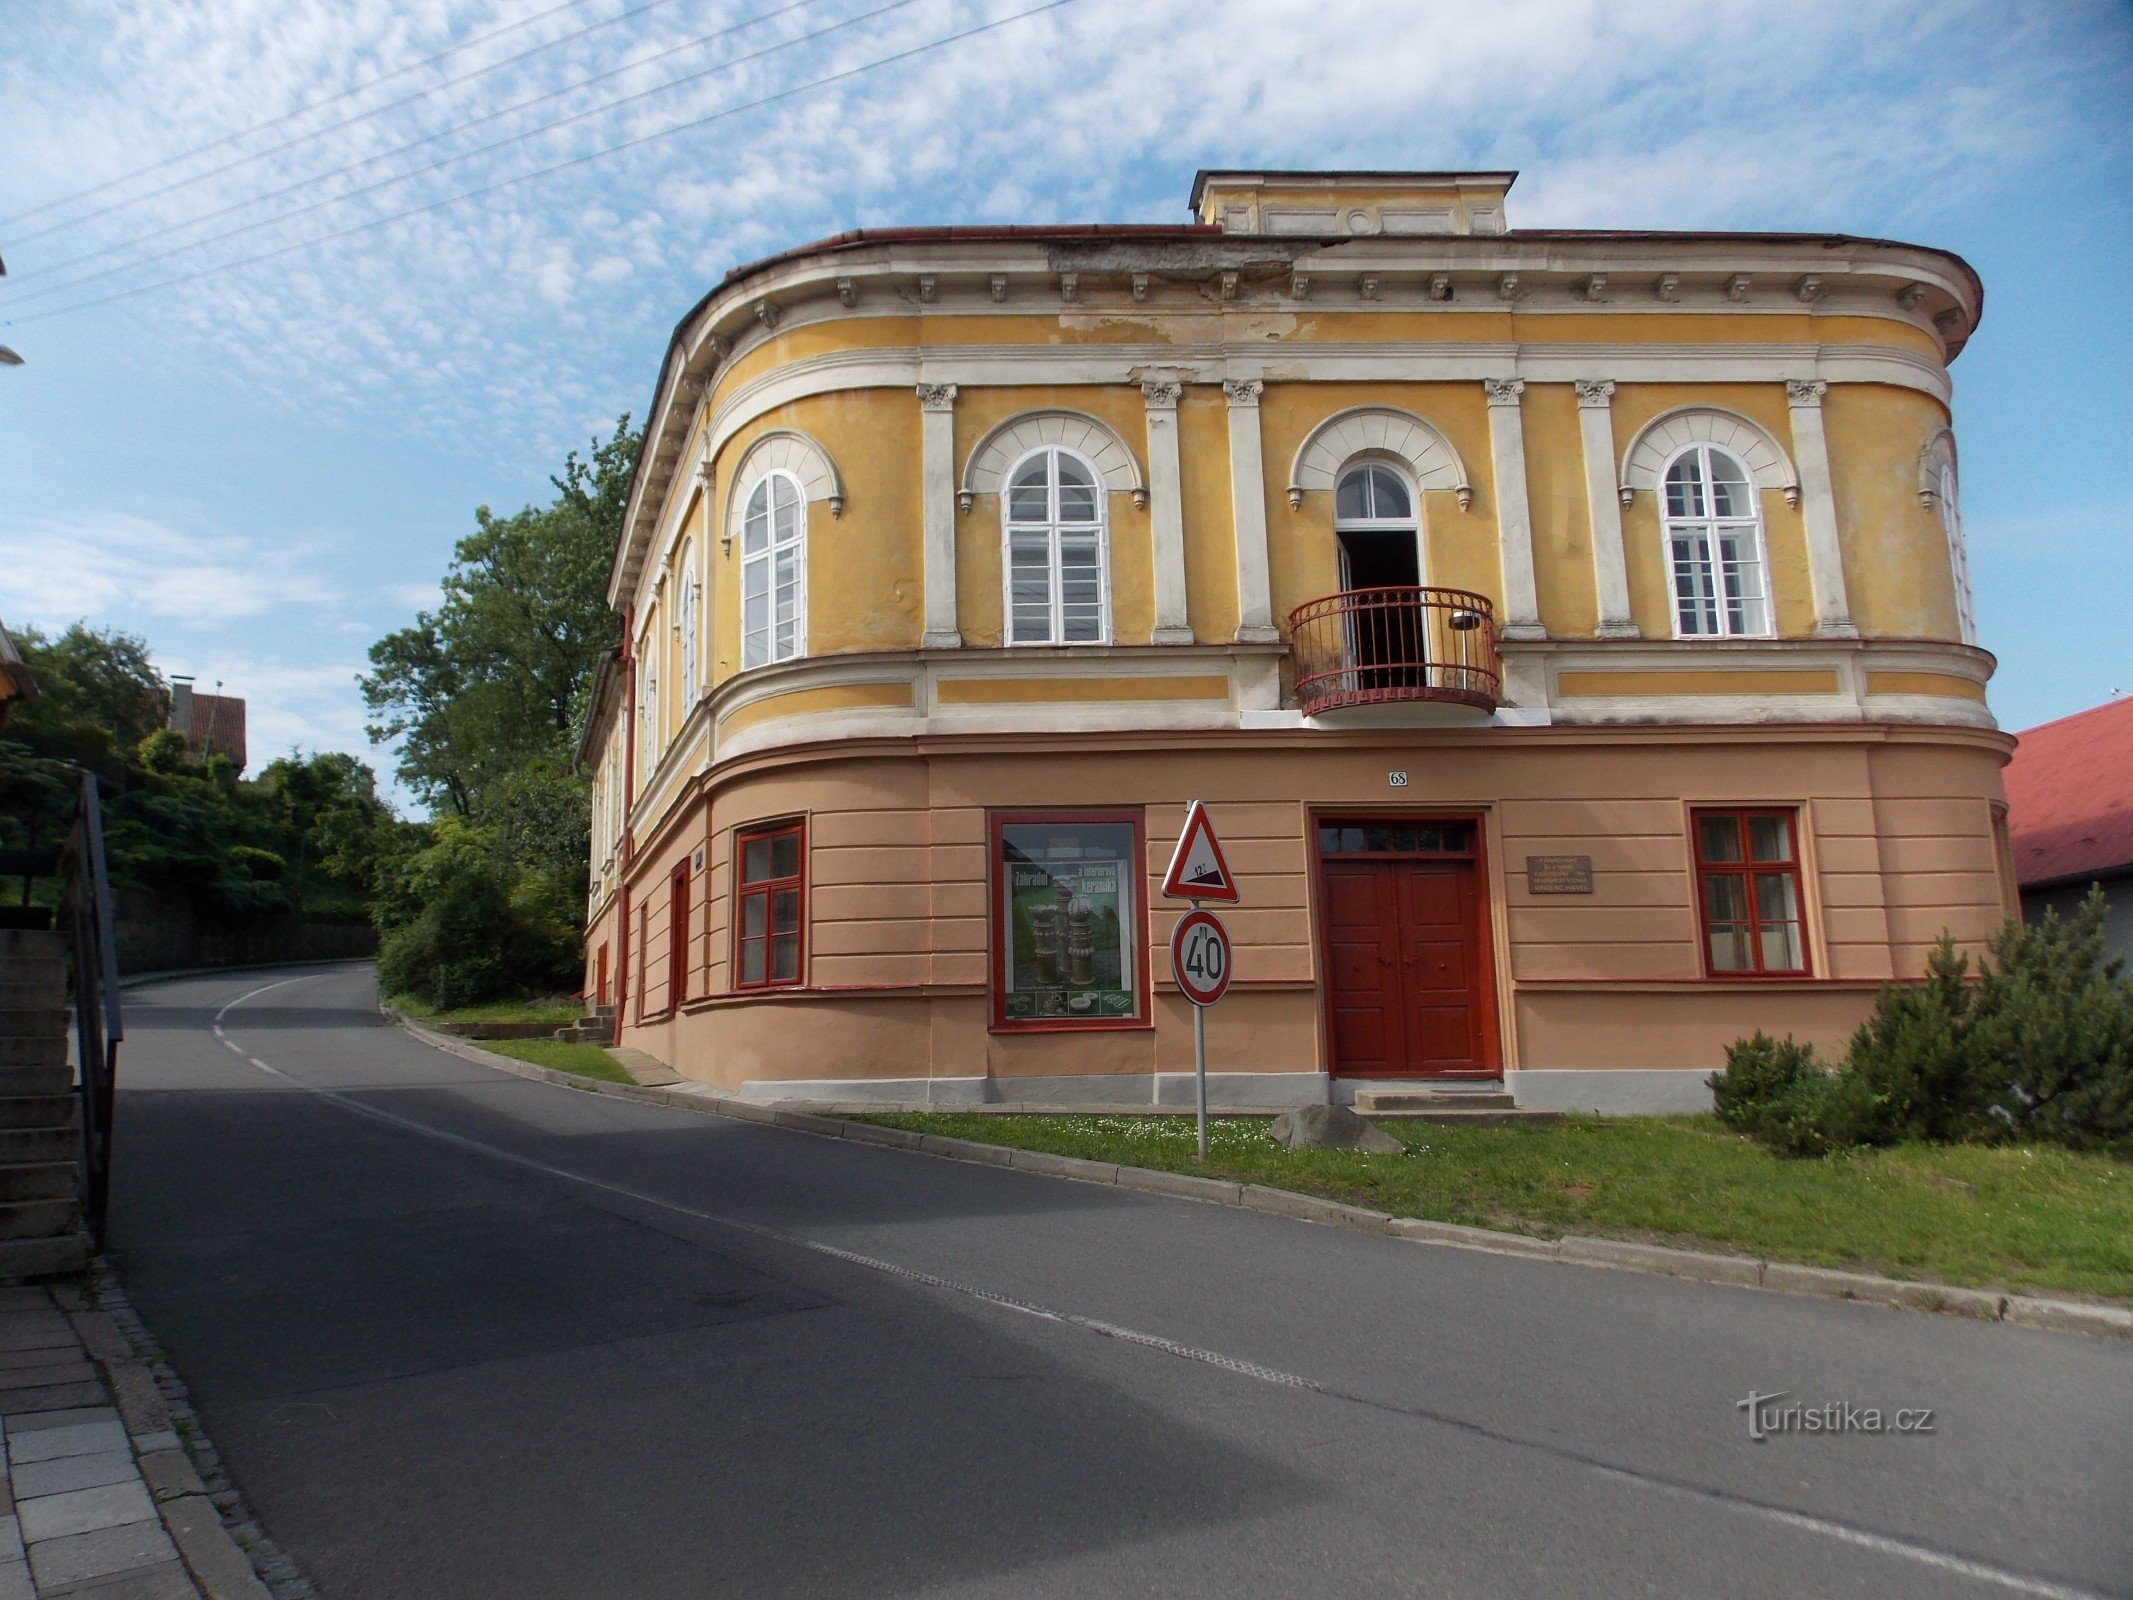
point(1363, 969)
point(1406, 977)
point(1439, 942)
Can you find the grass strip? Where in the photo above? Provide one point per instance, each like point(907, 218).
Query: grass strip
point(558, 1013)
point(2018, 1217)
point(586, 1060)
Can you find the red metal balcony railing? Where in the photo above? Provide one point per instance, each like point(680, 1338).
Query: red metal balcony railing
point(1377, 646)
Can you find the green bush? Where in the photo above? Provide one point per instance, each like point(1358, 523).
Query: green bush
point(461, 924)
point(1911, 1072)
point(1775, 1090)
point(2039, 1044)
point(2051, 1035)
point(261, 866)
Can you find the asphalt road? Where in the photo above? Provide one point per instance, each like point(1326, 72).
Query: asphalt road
point(459, 1334)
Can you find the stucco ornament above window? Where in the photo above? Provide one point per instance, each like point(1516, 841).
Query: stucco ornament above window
point(1034, 430)
point(786, 450)
point(1658, 440)
point(1936, 459)
point(1380, 430)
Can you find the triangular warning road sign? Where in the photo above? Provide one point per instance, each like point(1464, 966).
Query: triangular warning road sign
point(1198, 870)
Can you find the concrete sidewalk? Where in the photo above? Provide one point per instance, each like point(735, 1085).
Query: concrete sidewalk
point(100, 1498)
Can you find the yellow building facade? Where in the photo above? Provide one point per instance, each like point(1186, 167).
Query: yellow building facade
point(1567, 631)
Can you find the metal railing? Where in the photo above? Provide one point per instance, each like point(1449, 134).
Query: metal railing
point(85, 912)
point(1377, 646)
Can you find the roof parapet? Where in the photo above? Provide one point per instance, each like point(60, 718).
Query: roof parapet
point(1357, 203)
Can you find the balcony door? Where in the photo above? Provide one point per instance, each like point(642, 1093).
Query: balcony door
point(1403, 929)
point(1380, 540)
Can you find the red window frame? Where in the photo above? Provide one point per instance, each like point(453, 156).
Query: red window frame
point(1748, 871)
point(767, 889)
point(996, 822)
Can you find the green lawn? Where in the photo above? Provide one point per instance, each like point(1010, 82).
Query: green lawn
point(586, 1060)
point(2018, 1218)
point(559, 1012)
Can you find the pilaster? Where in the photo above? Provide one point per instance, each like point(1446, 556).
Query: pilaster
point(1166, 509)
point(1514, 519)
point(1610, 572)
point(1247, 499)
point(936, 404)
point(1818, 510)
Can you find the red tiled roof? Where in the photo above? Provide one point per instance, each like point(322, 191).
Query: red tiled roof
point(218, 726)
point(2070, 797)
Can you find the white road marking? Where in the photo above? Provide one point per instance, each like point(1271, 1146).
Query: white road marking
point(1884, 1544)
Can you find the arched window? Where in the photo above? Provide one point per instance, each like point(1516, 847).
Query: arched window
point(1951, 525)
point(774, 571)
point(1058, 582)
point(1714, 541)
point(686, 626)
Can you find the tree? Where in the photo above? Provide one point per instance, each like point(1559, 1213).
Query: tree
point(489, 683)
point(96, 691)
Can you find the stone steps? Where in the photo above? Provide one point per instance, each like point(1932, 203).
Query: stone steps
point(52, 1079)
point(33, 984)
point(39, 1258)
point(39, 1180)
point(1384, 1102)
point(32, 1051)
point(25, 1020)
point(40, 1113)
point(48, 1218)
point(37, 1111)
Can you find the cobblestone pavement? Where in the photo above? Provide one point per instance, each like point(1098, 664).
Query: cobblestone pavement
point(102, 1497)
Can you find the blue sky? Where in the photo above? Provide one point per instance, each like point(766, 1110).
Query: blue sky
point(264, 469)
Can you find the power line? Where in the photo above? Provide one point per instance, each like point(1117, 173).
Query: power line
point(560, 166)
point(320, 133)
point(463, 155)
point(372, 160)
point(287, 116)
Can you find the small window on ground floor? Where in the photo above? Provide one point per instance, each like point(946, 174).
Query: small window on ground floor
point(1068, 927)
point(1748, 892)
point(769, 905)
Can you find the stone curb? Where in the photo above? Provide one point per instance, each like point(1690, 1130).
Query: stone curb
point(1701, 1266)
point(179, 1465)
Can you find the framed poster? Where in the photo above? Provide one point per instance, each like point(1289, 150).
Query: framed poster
point(1069, 926)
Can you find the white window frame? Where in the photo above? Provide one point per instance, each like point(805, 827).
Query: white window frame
point(648, 702)
point(1946, 486)
point(685, 625)
point(1052, 527)
point(1707, 526)
point(1412, 523)
point(764, 562)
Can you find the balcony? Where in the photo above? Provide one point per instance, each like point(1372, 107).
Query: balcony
point(1371, 647)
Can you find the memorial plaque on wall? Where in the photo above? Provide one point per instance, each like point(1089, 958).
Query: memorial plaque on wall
point(1559, 874)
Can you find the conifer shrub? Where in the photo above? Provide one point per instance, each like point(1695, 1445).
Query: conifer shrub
point(2038, 1044)
point(1775, 1090)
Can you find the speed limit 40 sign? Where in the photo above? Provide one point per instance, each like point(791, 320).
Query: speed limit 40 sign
point(1200, 957)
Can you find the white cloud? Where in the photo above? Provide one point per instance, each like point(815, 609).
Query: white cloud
point(513, 315)
point(94, 565)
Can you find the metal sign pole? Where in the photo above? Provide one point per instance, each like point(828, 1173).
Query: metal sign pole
point(1199, 1070)
point(1199, 1066)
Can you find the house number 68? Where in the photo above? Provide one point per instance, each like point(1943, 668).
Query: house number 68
point(1396, 780)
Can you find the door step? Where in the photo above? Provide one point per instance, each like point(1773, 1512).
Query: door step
point(1396, 1102)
